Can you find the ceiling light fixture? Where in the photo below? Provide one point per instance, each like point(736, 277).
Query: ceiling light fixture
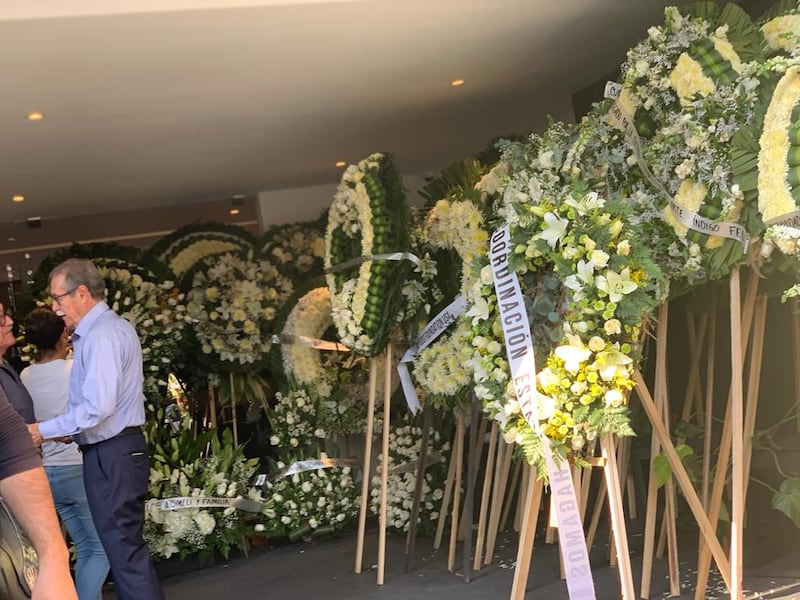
point(35, 116)
point(340, 163)
point(17, 198)
point(457, 82)
point(234, 211)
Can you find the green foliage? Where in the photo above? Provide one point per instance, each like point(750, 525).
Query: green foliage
point(787, 499)
point(661, 466)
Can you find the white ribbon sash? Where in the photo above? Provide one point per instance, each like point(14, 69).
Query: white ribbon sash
point(437, 326)
point(180, 503)
point(519, 348)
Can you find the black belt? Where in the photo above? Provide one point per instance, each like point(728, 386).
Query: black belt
point(130, 430)
point(126, 431)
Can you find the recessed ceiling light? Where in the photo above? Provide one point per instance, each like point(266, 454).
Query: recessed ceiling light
point(234, 211)
point(11, 239)
point(457, 82)
point(238, 197)
point(17, 198)
point(35, 116)
point(340, 163)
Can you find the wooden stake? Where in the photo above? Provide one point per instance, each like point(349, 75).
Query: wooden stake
point(737, 415)
point(652, 485)
point(795, 316)
point(497, 499)
point(212, 404)
point(448, 491)
point(725, 444)
point(708, 421)
point(233, 411)
point(367, 468)
point(620, 535)
point(533, 499)
point(598, 509)
point(459, 452)
point(679, 472)
point(513, 494)
point(475, 452)
point(387, 416)
point(523, 486)
point(753, 385)
point(411, 537)
point(485, 493)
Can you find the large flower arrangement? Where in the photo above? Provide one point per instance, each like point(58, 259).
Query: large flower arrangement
point(232, 302)
point(311, 503)
point(590, 284)
point(440, 368)
point(184, 248)
point(405, 443)
point(684, 90)
point(297, 249)
point(205, 531)
point(368, 217)
point(157, 312)
point(304, 502)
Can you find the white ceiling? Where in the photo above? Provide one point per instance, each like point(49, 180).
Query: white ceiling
point(152, 103)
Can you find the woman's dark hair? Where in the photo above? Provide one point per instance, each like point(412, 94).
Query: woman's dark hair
point(43, 328)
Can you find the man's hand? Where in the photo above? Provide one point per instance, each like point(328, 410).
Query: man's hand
point(33, 429)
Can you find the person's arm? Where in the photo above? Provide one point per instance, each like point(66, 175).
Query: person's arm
point(102, 370)
point(28, 496)
point(24, 488)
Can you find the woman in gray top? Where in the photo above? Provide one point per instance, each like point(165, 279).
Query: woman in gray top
point(47, 380)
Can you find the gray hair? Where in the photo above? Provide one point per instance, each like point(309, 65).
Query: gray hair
point(81, 271)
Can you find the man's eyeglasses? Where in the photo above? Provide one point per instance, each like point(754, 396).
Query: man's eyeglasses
point(58, 297)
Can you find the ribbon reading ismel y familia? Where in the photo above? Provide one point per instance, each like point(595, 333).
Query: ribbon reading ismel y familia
point(519, 347)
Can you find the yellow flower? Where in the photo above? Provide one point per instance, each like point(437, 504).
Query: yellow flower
point(781, 33)
point(688, 79)
point(774, 197)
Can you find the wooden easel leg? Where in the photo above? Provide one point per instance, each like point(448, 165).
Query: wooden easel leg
point(679, 472)
point(519, 513)
point(620, 535)
point(708, 413)
point(513, 494)
point(459, 454)
point(737, 415)
point(475, 453)
point(753, 385)
point(367, 468)
point(533, 499)
point(497, 500)
point(448, 491)
point(485, 493)
point(387, 417)
point(411, 537)
point(725, 444)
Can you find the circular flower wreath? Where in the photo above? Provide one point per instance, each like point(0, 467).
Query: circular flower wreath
point(297, 249)
point(589, 285)
point(684, 88)
point(368, 216)
point(187, 246)
point(779, 157)
point(232, 302)
point(310, 317)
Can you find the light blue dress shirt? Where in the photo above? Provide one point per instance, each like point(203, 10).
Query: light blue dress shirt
point(105, 386)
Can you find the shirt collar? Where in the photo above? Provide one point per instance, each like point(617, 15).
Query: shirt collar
point(90, 317)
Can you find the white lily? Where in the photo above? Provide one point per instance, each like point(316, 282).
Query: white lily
point(616, 284)
point(555, 229)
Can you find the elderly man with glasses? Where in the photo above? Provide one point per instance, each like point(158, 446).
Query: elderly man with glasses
point(105, 416)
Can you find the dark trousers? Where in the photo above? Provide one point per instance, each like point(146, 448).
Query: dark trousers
point(116, 474)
